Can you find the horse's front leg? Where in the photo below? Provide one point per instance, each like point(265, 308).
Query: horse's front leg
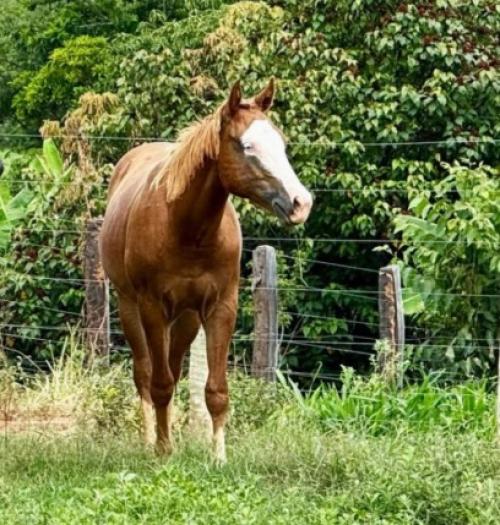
point(157, 330)
point(219, 327)
point(134, 332)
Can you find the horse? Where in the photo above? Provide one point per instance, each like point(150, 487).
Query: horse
point(171, 245)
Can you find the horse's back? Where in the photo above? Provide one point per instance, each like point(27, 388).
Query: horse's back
point(139, 162)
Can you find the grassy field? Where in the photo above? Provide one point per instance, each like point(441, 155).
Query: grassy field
point(362, 455)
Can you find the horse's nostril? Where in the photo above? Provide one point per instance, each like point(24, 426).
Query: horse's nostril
point(302, 204)
point(297, 203)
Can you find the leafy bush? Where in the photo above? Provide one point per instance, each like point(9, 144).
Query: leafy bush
point(457, 226)
point(70, 71)
point(32, 30)
point(42, 267)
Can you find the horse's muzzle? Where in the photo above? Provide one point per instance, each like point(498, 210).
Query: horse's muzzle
point(302, 206)
point(294, 211)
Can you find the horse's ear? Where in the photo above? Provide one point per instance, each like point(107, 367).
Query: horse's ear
point(234, 100)
point(264, 100)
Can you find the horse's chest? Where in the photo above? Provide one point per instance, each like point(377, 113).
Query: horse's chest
point(200, 293)
point(197, 282)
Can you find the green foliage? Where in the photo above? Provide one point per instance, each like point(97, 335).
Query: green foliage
point(41, 275)
point(32, 31)
point(70, 71)
point(456, 227)
point(373, 407)
point(12, 209)
point(350, 74)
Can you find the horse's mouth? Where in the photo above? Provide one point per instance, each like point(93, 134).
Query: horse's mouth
point(281, 213)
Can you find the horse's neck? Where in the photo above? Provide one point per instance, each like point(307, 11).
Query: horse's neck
point(196, 215)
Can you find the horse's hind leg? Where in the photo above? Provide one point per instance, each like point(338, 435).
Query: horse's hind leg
point(134, 333)
point(182, 334)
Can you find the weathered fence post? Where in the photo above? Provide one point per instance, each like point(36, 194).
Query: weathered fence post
point(265, 302)
point(392, 324)
point(200, 422)
point(96, 293)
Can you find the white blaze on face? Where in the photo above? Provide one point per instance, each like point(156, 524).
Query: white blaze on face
point(262, 141)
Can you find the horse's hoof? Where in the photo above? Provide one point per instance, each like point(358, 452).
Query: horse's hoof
point(220, 462)
point(164, 448)
point(220, 458)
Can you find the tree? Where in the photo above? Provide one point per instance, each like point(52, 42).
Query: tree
point(70, 71)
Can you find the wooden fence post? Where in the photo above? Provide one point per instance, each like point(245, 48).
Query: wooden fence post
point(96, 293)
point(265, 302)
point(392, 324)
point(200, 422)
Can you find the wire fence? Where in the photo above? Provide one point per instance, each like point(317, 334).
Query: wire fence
point(296, 240)
point(366, 295)
point(366, 190)
point(319, 143)
point(354, 343)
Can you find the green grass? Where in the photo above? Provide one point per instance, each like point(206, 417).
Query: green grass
point(365, 455)
point(370, 406)
point(278, 474)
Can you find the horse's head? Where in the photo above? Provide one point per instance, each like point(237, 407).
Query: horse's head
point(253, 163)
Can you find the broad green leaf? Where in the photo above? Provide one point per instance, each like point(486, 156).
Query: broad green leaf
point(52, 158)
point(412, 302)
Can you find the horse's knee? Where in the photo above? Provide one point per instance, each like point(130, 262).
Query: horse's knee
point(142, 372)
point(217, 400)
point(162, 392)
point(142, 376)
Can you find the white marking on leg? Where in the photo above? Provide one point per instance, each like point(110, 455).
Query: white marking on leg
point(220, 445)
point(148, 423)
point(171, 416)
point(163, 443)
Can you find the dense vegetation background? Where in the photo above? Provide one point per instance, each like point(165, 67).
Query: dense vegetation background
point(352, 75)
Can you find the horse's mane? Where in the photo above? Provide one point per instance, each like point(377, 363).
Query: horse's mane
point(194, 144)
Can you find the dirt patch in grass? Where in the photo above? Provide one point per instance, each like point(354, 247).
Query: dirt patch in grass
point(50, 423)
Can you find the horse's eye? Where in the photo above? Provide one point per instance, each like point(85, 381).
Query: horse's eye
point(247, 146)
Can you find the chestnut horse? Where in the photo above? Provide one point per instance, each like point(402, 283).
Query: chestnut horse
point(171, 245)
